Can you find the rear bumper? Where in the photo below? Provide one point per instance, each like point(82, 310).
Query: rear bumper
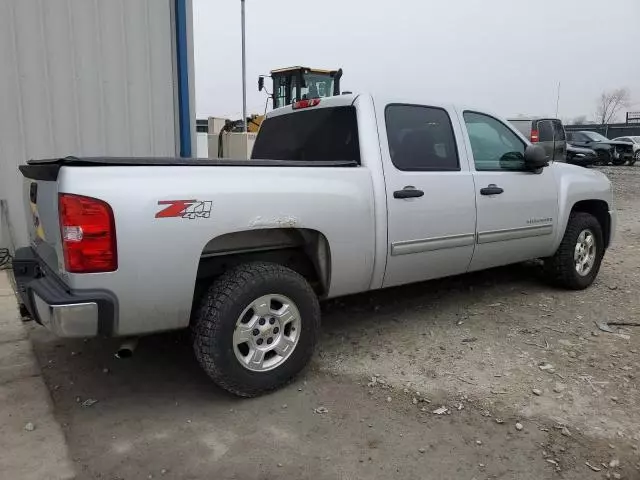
point(67, 313)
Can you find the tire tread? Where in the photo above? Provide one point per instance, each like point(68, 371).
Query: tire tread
point(220, 297)
point(560, 269)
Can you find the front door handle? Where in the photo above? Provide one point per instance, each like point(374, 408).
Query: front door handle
point(408, 192)
point(492, 189)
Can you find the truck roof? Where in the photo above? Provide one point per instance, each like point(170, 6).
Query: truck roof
point(349, 99)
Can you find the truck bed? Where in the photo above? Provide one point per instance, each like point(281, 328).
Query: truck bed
point(47, 169)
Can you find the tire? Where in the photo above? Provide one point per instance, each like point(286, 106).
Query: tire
point(618, 162)
point(229, 301)
point(636, 157)
point(561, 269)
point(604, 157)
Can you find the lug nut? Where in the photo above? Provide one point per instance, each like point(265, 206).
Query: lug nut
point(255, 332)
point(270, 340)
point(259, 341)
point(261, 321)
point(276, 330)
point(272, 321)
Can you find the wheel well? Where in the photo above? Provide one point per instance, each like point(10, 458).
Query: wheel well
point(305, 251)
point(600, 210)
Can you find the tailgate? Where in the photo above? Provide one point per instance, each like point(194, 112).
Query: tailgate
point(40, 192)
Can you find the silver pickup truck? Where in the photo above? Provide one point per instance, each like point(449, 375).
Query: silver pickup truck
point(343, 195)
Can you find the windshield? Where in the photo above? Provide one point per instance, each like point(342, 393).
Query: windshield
point(595, 136)
point(317, 85)
point(635, 139)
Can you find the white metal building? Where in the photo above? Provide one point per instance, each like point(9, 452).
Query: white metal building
point(91, 78)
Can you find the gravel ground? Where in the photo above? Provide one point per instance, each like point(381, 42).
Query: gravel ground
point(531, 387)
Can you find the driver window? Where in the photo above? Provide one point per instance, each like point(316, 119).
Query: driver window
point(494, 146)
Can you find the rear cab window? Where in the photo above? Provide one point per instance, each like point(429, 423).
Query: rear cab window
point(316, 134)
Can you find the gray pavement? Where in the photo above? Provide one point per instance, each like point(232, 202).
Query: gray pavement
point(26, 454)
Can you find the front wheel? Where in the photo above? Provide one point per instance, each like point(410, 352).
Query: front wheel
point(576, 263)
point(256, 328)
point(618, 162)
point(636, 157)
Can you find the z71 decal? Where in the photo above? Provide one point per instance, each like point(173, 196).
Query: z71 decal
point(190, 209)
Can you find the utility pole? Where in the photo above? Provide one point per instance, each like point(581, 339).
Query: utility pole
point(557, 99)
point(244, 73)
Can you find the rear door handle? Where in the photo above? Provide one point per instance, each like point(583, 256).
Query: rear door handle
point(408, 192)
point(492, 189)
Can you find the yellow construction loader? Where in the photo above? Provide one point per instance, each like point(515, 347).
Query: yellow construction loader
point(299, 83)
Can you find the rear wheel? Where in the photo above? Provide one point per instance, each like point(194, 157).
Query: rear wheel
point(576, 263)
point(256, 328)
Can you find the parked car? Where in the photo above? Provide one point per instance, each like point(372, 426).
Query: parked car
point(584, 157)
point(547, 132)
point(609, 151)
point(635, 142)
point(342, 195)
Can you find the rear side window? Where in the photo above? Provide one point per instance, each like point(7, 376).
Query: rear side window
point(421, 138)
point(545, 131)
point(320, 134)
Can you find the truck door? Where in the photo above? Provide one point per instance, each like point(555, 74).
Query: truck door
point(517, 209)
point(430, 195)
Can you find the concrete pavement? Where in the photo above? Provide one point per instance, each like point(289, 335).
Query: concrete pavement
point(27, 454)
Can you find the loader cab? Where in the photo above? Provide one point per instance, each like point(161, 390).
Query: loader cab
point(301, 83)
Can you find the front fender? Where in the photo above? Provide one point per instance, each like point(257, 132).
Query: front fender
point(577, 184)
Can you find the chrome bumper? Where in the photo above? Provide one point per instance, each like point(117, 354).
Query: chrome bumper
point(73, 320)
point(64, 311)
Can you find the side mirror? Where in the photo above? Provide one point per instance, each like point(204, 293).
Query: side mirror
point(535, 157)
point(260, 84)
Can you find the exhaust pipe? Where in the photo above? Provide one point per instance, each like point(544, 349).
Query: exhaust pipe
point(127, 348)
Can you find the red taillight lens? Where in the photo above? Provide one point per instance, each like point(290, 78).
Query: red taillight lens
point(306, 103)
point(535, 136)
point(88, 234)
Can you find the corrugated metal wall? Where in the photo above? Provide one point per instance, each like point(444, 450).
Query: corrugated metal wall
point(83, 77)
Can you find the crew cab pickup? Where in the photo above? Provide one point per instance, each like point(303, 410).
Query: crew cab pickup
point(342, 195)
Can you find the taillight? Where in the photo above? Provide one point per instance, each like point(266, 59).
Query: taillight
point(535, 136)
point(88, 234)
point(306, 103)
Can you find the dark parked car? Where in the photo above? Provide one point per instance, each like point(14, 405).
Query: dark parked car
point(609, 151)
point(547, 132)
point(581, 156)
